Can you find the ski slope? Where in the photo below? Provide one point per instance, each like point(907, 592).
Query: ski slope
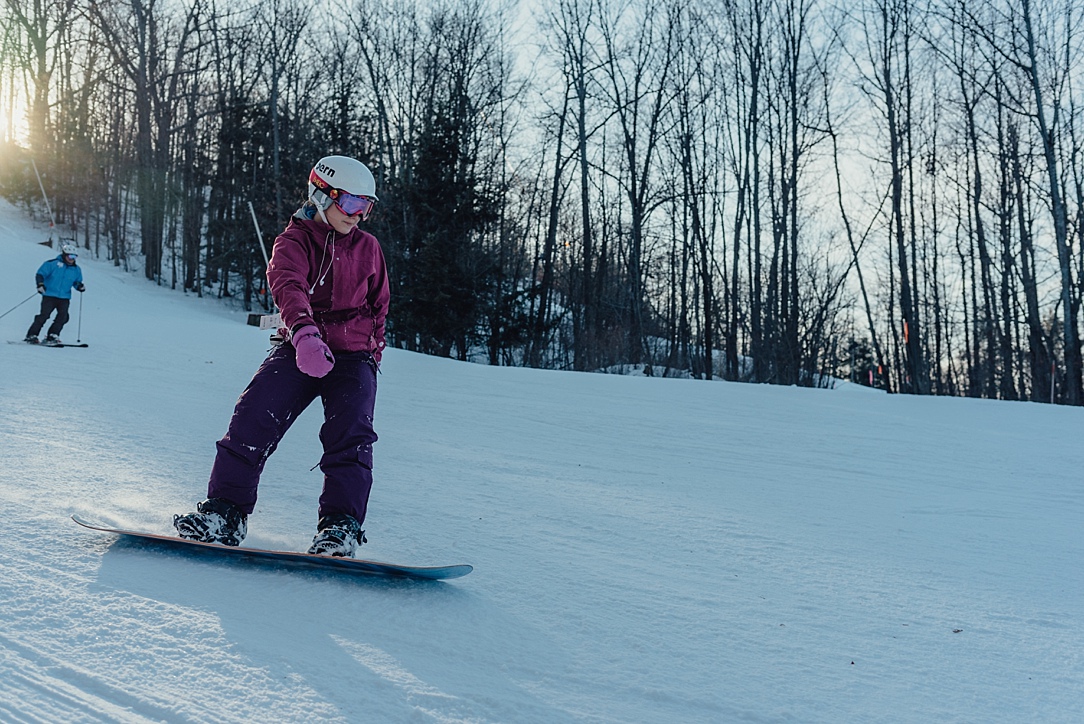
point(645, 550)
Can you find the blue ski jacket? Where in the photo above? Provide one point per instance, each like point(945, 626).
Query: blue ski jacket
point(59, 278)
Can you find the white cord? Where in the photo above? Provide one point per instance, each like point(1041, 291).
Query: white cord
point(320, 281)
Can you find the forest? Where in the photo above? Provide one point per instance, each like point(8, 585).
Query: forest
point(772, 191)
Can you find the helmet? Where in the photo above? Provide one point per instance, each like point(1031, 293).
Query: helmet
point(343, 173)
point(69, 250)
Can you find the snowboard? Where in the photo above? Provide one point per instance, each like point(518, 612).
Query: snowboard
point(64, 344)
point(289, 558)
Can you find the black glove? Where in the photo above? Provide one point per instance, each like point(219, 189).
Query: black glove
point(41, 289)
point(80, 288)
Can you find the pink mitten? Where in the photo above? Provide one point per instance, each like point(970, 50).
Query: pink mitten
point(313, 356)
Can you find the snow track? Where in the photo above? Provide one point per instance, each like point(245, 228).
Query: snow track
point(645, 550)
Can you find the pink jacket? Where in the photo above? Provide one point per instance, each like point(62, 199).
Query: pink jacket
point(338, 282)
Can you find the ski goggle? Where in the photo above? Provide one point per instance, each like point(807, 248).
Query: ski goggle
point(349, 204)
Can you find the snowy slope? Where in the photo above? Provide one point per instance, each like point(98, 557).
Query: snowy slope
point(645, 550)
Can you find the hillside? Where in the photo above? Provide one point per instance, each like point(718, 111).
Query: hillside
point(645, 550)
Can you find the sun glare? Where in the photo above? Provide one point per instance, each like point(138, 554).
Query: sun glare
point(13, 125)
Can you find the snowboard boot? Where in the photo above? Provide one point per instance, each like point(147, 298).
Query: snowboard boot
point(337, 535)
point(32, 339)
point(217, 521)
point(52, 340)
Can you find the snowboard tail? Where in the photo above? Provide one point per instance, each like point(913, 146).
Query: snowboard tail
point(290, 558)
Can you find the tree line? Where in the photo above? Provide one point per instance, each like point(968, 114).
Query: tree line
point(779, 191)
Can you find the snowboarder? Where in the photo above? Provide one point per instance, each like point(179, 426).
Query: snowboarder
point(330, 283)
point(55, 279)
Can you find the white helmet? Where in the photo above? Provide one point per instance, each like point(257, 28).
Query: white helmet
point(69, 250)
point(340, 173)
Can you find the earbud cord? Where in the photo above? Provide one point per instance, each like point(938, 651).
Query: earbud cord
point(320, 281)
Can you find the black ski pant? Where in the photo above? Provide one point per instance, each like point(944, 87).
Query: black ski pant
point(48, 306)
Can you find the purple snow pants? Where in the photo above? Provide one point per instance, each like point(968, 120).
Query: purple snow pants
point(277, 394)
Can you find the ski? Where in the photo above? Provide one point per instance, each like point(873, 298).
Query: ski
point(42, 344)
point(290, 559)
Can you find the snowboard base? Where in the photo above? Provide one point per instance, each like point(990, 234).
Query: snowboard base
point(290, 558)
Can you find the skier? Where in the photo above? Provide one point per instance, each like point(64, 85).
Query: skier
point(55, 279)
point(329, 280)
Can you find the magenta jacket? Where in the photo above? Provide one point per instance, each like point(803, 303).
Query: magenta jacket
point(338, 282)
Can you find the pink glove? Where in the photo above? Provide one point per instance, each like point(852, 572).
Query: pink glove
point(313, 356)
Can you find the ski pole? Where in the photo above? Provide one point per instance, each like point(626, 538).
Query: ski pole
point(18, 305)
point(79, 327)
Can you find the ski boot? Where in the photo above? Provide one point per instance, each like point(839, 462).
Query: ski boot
point(32, 339)
point(217, 521)
point(52, 340)
point(337, 535)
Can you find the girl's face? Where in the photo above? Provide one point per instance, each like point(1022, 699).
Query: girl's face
point(339, 221)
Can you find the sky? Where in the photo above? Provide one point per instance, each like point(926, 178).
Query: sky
point(644, 550)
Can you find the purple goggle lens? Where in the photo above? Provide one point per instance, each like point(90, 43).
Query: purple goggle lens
point(352, 205)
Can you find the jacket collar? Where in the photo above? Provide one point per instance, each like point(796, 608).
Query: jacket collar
point(304, 217)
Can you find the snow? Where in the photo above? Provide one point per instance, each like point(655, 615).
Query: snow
point(645, 550)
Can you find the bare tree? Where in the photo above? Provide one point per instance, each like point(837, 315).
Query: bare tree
point(637, 70)
point(1027, 41)
point(43, 24)
point(152, 48)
